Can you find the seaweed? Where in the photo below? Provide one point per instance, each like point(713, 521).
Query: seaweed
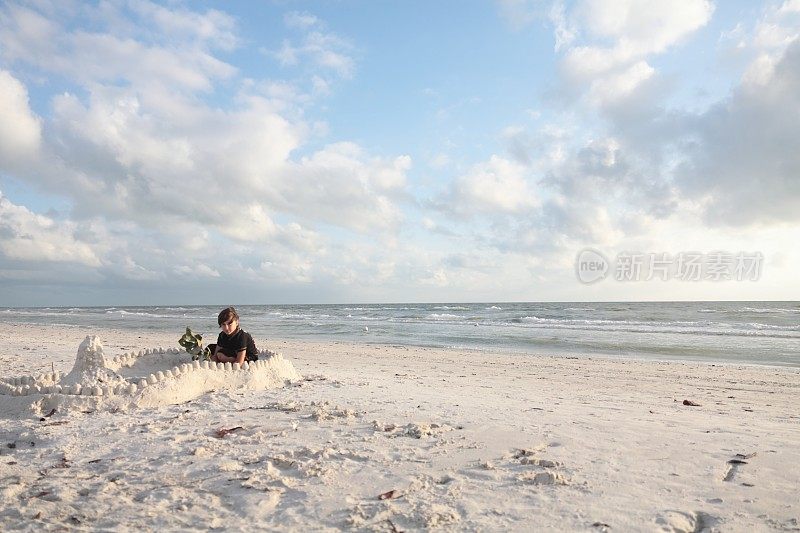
point(193, 344)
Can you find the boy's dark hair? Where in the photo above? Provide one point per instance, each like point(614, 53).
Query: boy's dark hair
point(227, 314)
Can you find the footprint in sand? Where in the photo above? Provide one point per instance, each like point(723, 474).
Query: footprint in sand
point(542, 478)
point(413, 430)
point(525, 467)
point(536, 470)
point(685, 521)
point(426, 503)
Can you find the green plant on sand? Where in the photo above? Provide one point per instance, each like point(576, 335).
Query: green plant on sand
point(193, 344)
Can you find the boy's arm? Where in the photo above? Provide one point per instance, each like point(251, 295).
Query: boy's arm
point(226, 358)
point(240, 355)
point(216, 346)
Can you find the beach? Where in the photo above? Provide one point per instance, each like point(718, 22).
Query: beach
point(392, 437)
point(509, 265)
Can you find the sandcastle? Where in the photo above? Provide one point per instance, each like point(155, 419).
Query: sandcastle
point(148, 378)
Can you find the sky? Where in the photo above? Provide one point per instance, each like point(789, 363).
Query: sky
point(347, 151)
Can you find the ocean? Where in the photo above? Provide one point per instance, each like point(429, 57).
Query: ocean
point(742, 332)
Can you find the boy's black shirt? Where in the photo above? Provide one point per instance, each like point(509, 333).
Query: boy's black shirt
point(237, 341)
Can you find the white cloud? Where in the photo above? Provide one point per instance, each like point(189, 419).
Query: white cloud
point(761, 42)
point(440, 161)
point(246, 222)
point(159, 173)
point(618, 184)
point(647, 26)
point(213, 28)
point(340, 186)
point(320, 86)
point(570, 223)
point(27, 35)
point(324, 50)
point(436, 278)
point(616, 87)
point(790, 6)
point(144, 155)
point(197, 271)
point(735, 161)
point(565, 33)
point(436, 228)
point(498, 185)
point(92, 56)
point(26, 236)
point(295, 19)
point(302, 240)
point(20, 128)
point(777, 28)
point(744, 160)
point(147, 156)
point(107, 58)
point(129, 269)
point(287, 271)
point(618, 37)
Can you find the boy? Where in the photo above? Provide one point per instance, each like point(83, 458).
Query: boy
point(234, 345)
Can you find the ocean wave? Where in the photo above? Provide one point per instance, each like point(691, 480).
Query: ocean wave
point(382, 308)
point(768, 310)
point(124, 313)
point(495, 308)
point(56, 324)
point(652, 323)
point(25, 312)
point(750, 310)
point(443, 316)
point(759, 325)
point(601, 321)
point(680, 328)
point(365, 318)
point(301, 316)
point(291, 315)
point(451, 307)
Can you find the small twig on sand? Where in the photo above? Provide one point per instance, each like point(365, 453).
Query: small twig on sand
point(735, 463)
point(394, 528)
point(220, 433)
point(48, 415)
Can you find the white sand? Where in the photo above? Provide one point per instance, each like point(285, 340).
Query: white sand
point(466, 440)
